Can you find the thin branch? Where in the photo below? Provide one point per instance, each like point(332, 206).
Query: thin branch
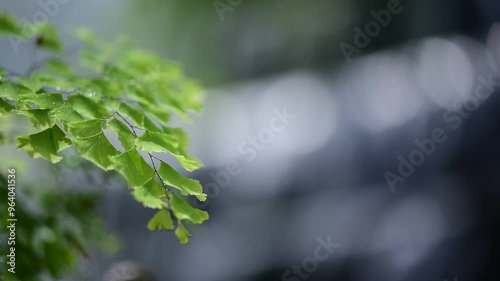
point(128, 123)
point(139, 128)
point(157, 158)
point(150, 155)
point(112, 114)
point(156, 171)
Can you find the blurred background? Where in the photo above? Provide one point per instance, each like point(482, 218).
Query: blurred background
point(311, 111)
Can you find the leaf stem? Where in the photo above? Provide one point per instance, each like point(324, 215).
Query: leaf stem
point(132, 127)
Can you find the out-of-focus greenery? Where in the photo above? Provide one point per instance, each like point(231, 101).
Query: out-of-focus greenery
point(54, 228)
point(251, 38)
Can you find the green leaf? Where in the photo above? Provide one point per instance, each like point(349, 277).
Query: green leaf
point(182, 234)
point(157, 142)
point(12, 90)
point(93, 58)
point(31, 83)
point(45, 144)
point(183, 211)
point(149, 125)
point(180, 135)
point(132, 113)
point(97, 149)
point(139, 93)
point(118, 73)
point(133, 167)
point(9, 25)
point(192, 97)
point(125, 136)
point(5, 108)
point(40, 118)
point(88, 107)
point(103, 87)
point(161, 221)
point(51, 80)
point(186, 186)
point(46, 35)
point(66, 114)
point(59, 67)
point(86, 129)
point(176, 106)
point(151, 194)
point(160, 142)
point(187, 161)
point(139, 60)
point(43, 101)
point(156, 112)
point(85, 35)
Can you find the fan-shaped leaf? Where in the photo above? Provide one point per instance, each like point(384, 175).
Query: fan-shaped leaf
point(66, 114)
point(86, 129)
point(157, 142)
point(40, 118)
point(97, 149)
point(5, 108)
point(45, 144)
point(161, 221)
point(183, 211)
point(133, 167)
point(182, 234)
point(12, 90)
point(9, 25)
point(43, 101)
point(185, 185)
point(88, 107)
point(125, 136)
point(47, 37)
point(151, 194)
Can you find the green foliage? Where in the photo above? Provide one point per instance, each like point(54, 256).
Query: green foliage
point(45, 144)
point(185, 185)
point(151, 194)
point(53, 229)
point(182, 234)
point(161, 221)
point(9, 25)
point(116, 89)
point(183, 211)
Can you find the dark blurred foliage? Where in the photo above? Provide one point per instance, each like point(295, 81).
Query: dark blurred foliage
point(260, 38)
point(54, 230)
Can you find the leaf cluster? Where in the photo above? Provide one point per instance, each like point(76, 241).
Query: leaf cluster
point(115, 91)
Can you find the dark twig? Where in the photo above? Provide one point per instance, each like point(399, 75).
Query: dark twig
point(151, 157)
